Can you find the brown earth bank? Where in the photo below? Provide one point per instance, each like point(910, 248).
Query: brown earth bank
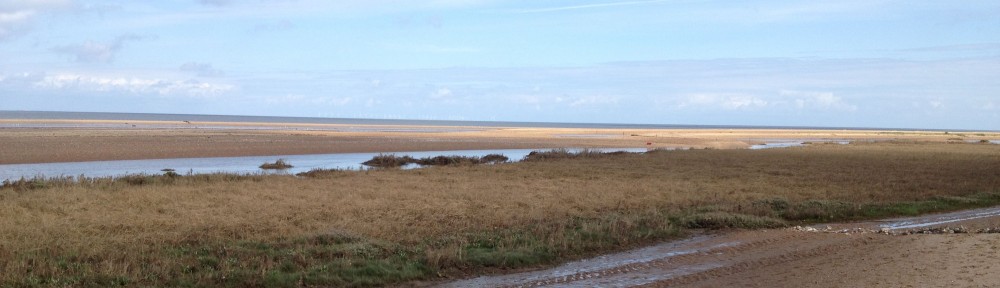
point(73, 141)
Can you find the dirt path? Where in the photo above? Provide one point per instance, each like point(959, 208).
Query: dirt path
point(905, 252)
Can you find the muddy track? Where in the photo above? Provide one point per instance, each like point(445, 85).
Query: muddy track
point(723, 259)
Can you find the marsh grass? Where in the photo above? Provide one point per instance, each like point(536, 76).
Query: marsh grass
point(385, 226)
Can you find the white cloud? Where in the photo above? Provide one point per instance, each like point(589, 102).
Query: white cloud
point(16, 17)
point(284, 99)
point(818, 100)
point(136, 85)
point(595, 101)
point(334, 101)
point(728, 101)
point(441, 93)
point(94, 52)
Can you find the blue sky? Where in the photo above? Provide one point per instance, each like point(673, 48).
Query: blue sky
point(872, 63)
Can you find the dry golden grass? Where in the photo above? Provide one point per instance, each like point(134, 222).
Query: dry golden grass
point(115, 233)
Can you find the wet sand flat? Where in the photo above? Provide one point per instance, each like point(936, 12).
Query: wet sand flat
point(46, 141)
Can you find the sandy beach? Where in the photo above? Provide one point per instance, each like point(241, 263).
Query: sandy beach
point(46, 141)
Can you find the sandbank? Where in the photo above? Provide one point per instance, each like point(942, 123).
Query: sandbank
point(47, 141)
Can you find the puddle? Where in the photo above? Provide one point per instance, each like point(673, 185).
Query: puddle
point(785, 143)
point(771, 145)
point(594, 272)
point(940, 219)
point(238, 165)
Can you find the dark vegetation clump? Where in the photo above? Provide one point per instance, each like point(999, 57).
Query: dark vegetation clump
point(448, 160)
point(277, 165)
point(393, 161)
point(494, 158)
point(567, 154)
point(170, 173)
point(389, 161)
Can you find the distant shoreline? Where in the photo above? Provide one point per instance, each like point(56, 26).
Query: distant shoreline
point(47, 141)
point(117, 116)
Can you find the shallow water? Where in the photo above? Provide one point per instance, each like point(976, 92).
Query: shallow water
point(578, 272)
point(770, 145)
point(239, 165)
point(785, 143)
point(939, 219)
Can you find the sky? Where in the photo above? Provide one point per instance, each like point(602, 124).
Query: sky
point(849, 63)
